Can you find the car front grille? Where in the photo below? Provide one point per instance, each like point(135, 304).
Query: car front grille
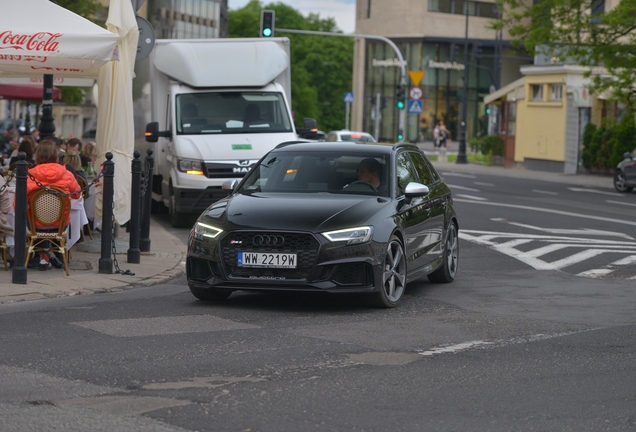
point(305, 246)
point(217, 170)
point(353, 274)
point(199, 269)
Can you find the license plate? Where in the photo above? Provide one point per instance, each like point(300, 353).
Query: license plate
point(268, 260)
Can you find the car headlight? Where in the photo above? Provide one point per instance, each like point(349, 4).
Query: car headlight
point(191, 167)
point(351, 235)
point(204, 230)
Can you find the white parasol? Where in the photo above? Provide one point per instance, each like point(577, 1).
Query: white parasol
point(115, 125)
point(38, 37)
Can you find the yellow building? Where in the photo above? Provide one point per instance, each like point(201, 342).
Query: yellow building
point(542, 117)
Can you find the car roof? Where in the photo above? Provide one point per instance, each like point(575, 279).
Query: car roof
point(343, 146)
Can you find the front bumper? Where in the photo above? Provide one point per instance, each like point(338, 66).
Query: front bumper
point(322, 266)
point(197, 200)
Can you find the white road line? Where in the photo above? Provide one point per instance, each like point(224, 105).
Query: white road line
point(452, 174)
point(621, 203)
point(454, 348)
point(483, 184)
point(578, 232)
point(543, 210)
point(578, 257)
point(594, 191)
point(548, 238)
point(472, 197)
point(463, 188)
point(610, 267)
point(544, 192)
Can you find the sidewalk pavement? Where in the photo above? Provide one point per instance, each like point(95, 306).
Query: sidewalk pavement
point(164, 262)
point(582, 180)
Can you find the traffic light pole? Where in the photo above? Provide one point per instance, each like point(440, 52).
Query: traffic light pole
point(402, 117)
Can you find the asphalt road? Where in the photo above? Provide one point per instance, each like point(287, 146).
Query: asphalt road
point(519, 341)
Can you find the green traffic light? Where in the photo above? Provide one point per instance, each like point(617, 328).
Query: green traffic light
point(400, 137)
point(267, 32)
point(400, 104)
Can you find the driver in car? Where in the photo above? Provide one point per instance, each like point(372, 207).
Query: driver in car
point(369, 172)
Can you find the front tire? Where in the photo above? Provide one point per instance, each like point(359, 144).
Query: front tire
point(177, 219)
point(210, 294)
point(450, 258)
point(620, 184)
point(393, 276)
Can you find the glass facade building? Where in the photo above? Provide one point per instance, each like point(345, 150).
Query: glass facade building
point(188, 19)
point(441, 87)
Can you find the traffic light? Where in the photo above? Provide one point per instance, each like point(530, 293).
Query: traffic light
point(400, 136)
point(267, 23)
point(488, 110)
point(400, 97)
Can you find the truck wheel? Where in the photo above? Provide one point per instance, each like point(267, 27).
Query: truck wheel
point(177, 219)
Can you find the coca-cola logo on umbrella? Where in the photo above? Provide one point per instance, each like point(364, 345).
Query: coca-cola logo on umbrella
point(41, 41)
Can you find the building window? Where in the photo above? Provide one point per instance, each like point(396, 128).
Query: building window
point(369, 9)
point(537, 92)
point(556, 92)
point(598, 9)
point(512, 119)
point(444, 6)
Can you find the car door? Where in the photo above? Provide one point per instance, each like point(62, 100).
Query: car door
point(413, 215)
point(434, 204)
point(630, 170)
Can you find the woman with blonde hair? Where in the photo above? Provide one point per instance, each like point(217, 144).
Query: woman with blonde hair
point(72, 158)
point(90, 151)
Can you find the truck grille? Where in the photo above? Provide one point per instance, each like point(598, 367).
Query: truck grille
point(305, 246)
point(218, 170)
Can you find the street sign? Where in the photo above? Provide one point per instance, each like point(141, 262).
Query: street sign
point(415, 107)
point(348, 97)
point(415, 93)
point(416, 77)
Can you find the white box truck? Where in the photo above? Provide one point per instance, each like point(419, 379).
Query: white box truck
point(218, 105)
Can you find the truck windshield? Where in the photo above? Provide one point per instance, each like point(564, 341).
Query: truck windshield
point(231, 113)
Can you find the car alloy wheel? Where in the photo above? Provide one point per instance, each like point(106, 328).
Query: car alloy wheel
point(393, 275)
point(620, 184)
point(450, 259)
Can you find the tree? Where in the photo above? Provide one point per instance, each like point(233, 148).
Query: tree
point(582, 31)
point(321, 66)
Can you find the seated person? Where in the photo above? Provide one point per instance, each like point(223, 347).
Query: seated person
point(370, 171)
point(28, 147)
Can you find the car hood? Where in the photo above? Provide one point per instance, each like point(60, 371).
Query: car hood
point(302, 212)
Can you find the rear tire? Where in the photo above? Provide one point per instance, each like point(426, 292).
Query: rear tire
point(393, 282)
point(210, 294)
point(450, 258)
point(620, 184)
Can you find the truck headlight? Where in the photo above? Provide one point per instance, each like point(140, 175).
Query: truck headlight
point(191, 167)
point(351, 235)
point(205, 230)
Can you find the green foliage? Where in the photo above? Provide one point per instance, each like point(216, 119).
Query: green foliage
point(321, 66)
point(489, 145)
point(570, 30)
point(587, 155)
point(597, 154)
point(73, 95)
point(624, 138)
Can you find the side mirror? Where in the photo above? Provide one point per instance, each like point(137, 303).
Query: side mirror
point(627, 155)
point(309, 129)
point(153, 133)
point(229, 185)
point(414, 189)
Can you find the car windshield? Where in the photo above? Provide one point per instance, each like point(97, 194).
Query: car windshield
point(231, 113)
point(320, 172)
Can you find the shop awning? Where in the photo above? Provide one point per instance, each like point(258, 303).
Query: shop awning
point(26, 92)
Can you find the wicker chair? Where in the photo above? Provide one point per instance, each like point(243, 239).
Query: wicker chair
point(52, 211)
point(82, 184)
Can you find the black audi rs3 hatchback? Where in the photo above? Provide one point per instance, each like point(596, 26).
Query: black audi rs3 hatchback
point(331, 217)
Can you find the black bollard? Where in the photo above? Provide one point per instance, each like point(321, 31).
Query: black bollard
point(144, 242)
point(134, 254)
point(108, 190)
point(19, 274)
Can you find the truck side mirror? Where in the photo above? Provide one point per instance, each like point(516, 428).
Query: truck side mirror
point(309, 129)
point(153, 133)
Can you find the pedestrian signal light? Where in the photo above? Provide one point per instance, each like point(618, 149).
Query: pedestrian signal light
point(267, 23)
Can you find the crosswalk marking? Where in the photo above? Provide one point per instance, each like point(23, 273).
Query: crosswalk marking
point(511, 244)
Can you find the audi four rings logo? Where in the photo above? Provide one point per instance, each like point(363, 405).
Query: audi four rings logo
point(268, 240)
